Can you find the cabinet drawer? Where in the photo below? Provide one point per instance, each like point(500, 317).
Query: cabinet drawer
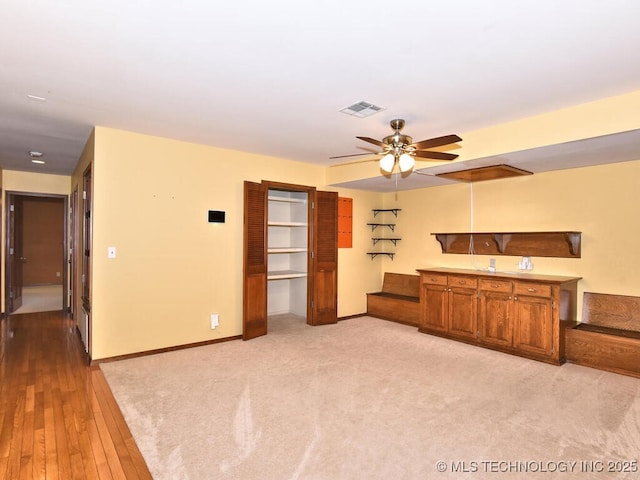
point(434, 279)
point(465, 282)
point(534, 289)
point(496, 285)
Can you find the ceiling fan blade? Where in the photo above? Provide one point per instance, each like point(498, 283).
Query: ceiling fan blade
point(353, 155)
point(436, 142)
point(373, 140)
point(435, 155)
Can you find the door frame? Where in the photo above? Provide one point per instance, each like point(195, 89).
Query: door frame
point(9, 197)
point(310, 191)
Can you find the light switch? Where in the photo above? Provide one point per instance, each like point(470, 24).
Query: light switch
point(111, 252)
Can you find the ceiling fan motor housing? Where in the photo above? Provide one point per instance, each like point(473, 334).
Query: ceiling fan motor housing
point(397, 140)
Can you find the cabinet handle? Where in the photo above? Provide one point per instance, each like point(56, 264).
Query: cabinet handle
point(509, 297)
point(462, 282)
point(515, 298)
point(494, 286)
point(445, 289)
point(449, 289)
point(531, 289)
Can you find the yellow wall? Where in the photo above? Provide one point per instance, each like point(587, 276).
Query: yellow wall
point(28, 182)
point(600, 202)
point(173, 268)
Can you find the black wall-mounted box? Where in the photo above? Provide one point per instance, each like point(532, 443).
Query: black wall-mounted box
point(216, 216)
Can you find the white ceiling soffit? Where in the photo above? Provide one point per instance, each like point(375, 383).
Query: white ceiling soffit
point(614, 148)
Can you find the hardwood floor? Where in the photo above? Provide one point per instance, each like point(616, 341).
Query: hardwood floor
point(58, 418)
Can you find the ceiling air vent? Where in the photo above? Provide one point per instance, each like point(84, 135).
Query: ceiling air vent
point(362, 109)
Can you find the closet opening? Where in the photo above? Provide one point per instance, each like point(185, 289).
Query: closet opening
point(287, 254)
point(290, 258)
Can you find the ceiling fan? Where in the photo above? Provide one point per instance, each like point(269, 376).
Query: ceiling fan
point(399, 149)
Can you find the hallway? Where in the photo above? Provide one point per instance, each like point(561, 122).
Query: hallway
point(58, 418)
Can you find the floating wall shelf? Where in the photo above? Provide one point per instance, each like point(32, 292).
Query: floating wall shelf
point(394, 240)
point(395, 211)
point(529, 244)
point(375, 254)
point(391, 226)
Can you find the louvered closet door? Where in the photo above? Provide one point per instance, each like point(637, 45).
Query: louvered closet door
point(254, 299)
point(325, 271)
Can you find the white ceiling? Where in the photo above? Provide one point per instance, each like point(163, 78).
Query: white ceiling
point(270, 77)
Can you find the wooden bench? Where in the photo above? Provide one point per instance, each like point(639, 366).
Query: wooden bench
point(609, 336)
point(399, 300)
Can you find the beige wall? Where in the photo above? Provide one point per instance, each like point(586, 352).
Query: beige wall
point(173, 268)
point(598, 201)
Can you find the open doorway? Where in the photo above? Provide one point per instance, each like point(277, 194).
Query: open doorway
point(36, 271)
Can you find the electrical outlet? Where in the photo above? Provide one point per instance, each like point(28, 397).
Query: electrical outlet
point(215, 320)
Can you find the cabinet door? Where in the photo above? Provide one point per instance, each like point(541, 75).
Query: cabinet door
point(495, 318)
point(254, 295)
point(325, 261)
point(435, 310)
point(463, 312)
point(533, 324)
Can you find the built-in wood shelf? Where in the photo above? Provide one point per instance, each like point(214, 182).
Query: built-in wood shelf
point(288, 224)
point(285, 274)
point(527, 244)
point(286, 249)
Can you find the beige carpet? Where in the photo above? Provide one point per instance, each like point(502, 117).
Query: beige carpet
point(370, 399)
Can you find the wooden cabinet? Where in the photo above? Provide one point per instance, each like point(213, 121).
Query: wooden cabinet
point(533, 321)
point(516, 313)
point(451, 304)
point(495, 319)
point(290, 254)
point(463, 306)
point(434, 303)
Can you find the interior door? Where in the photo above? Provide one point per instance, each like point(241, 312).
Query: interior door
point(254, 298)
point(16, 257)
point(73, 253)
point(325, 268)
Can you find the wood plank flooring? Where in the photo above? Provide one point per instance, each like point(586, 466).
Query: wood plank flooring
point(58, 418)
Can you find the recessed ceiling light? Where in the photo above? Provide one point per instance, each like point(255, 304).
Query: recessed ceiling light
point(34, 154)
point(36, 97)
point(39, 162)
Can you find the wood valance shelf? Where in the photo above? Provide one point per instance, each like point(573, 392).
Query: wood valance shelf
point(527, 244)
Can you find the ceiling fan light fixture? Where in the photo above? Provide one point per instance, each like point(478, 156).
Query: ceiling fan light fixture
point(406, 162)
point(387, 162)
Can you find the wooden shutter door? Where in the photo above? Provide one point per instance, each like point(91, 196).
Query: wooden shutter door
point(325, 271)
point(254, 297)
